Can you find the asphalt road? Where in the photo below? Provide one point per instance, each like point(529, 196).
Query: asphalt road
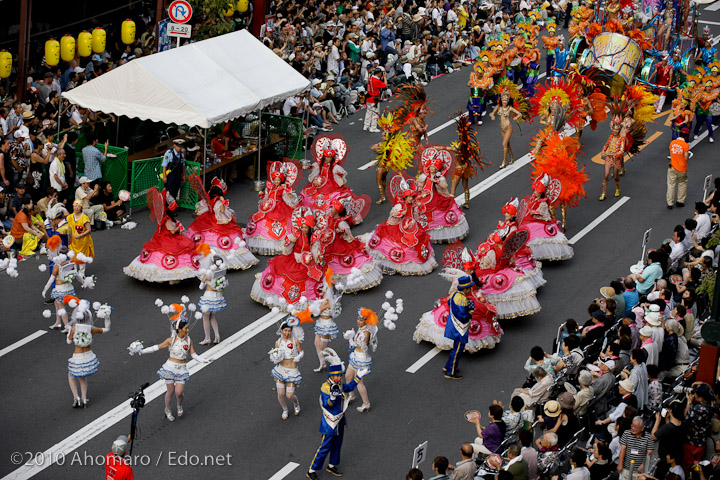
point(232, 422)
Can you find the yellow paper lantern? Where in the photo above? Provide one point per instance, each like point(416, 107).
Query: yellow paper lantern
point(242, 6)
point(229, 10)
point(5, 64)
point(127, 32)
point(84, 44)
point(99, 38)
point(52, 52)
point(67, 48)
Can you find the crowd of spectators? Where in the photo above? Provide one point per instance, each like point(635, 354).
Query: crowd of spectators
point(617, 395)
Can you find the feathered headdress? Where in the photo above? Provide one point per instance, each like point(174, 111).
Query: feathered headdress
point(395, 152)
point(549, 98)
point(642, 101)
point(412, 100)
point(467, 149)
point(558, 161)
point(507, 88)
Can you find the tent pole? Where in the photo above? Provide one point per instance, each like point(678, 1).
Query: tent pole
point(117, 131)
point(204, 155)
point(258, 183)
point(305, 162)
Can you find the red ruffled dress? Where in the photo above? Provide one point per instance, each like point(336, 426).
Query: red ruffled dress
point(227, 236)
point(446, 223)
point(547, 241)
point(165, 257)
point(401, 244)
point(266, 231)
point(289, 277)
point(485, 332)
point(327, 184)
point(344, 256)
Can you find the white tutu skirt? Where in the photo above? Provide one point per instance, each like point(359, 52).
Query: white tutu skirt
point(239, 258)
point(264, 246)
point(429, 331)
point(450, 233)
point(534, 276)
point(150, 272)
point(553, 248)
point(83, 364)
point(212, 301)
point(174, 372)
point(371, 277)
point(517, 301)
point(325, 327)
point(59, 292)
point(360, 360)
point(286, 375)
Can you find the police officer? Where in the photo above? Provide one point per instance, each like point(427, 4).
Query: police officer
point(458, 325)
point(173, 168)
point(333, 403)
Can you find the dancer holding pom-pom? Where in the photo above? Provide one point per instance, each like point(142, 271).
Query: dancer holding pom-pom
point(213, 279)
point(62, 274)
point(360, 344)
point(287, 353)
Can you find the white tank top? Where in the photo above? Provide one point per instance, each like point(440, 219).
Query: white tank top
point(180, 348)
point(288, 347)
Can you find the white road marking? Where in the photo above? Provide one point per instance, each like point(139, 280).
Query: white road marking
point(598, 220)
point(22, 342)
point(433, 131)
point(285, 471)
point(122, 411)
point(423, 360)
point(701, 137)
point(713, 7)
point(708, 22)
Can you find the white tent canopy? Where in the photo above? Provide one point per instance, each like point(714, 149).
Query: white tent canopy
point(200, 84)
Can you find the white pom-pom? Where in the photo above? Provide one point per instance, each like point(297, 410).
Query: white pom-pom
point(349, 334)
point(71, 254)
point(42, 267)
point(389, 325)
point(184, 299)
point(61, 312)
point(389, 294)
point(243, 244)
point(315, 307)
point(198, 315)
point(43, 250)
point(165, 309)
point(192, 307)
point(73, 303)
point(46, 313)
point(158, 302)
point(303, 299)
point(275, 310)
point(391, 310)
point(399, 309)
point(96, 305)
point(385, 305)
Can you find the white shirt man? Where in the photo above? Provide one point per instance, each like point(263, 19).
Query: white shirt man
point(437, 17)
point(332, 59)
point(452, 17)
point(57, 174)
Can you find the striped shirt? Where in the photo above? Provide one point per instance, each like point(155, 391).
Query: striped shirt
point(92, 158)
point(637, 448)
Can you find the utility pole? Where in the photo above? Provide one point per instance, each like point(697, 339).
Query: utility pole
point(23, 48)
point(159, 15)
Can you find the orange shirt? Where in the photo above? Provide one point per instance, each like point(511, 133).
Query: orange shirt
point(678, 149)
point(17, 230)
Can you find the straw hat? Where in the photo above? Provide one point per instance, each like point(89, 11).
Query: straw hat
point(552, 408)
point(627, 385)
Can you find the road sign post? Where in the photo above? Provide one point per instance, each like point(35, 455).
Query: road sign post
point(180, 11)
point(419, 454)
point(646, 239)
point(707, 186)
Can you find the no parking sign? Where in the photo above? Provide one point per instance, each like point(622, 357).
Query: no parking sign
point(180, 11)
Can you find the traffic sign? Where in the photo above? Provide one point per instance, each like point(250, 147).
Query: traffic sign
point(180, 11)
point(179, 30)
point(707, 186)
point(419, 454)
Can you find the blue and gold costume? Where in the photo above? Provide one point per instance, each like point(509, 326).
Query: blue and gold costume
point(333, 403)
point(458, 325)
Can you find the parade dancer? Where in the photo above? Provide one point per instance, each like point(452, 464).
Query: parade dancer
point(217, 226)
point(550, 42)
point(265, 232)
point(507, 111)
point(446, 223)
point(295, 275)
point(394, 152)
point(612, 154)
point(479, 84)
point(663, 78)
point(287, 353)
point(702, 100)
point(333, 403)
point(484, 330)
point(213, 278)
point(62, 275)
point(360, 344)
point(84, 362)
point(169, 256)
point(547, 241)
point(458, 325)
point(467, 156)
point(681, 116)
point(353, 268)
point(401, 244)
point(411, 112)
point(174, 372)
point(81, 243)
point(325, 327)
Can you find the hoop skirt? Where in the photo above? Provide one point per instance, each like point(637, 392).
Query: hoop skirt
point(165, 257)
point(227, 237)
point(484, 331)
point(266, 231)
point(446, 222)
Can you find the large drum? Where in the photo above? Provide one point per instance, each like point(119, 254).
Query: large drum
point(649, 70)
point(616, 54)
point(577, 47)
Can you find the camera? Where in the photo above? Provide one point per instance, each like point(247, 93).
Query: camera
point(681, 389)
point(137, 398)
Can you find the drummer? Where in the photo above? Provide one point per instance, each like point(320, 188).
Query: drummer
point(560, 65)
point(679, 72)
point(705, 55)
point(551, 42)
